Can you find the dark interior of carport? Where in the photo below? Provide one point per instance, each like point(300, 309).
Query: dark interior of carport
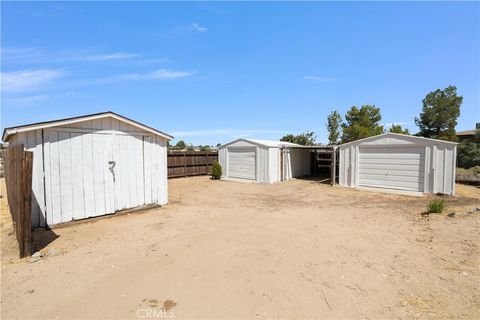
point(324, 162)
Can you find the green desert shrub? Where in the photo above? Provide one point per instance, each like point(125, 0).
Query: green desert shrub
point(216, 170)
point(436, 206)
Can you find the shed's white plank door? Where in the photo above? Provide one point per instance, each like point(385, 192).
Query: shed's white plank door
point(129, 172)
point(78, 185)
point(241, 163)
point(88, 177)
point(77, 177)
point(90, 174)
point(155, 170)
point(66, 175)
point(392, 167)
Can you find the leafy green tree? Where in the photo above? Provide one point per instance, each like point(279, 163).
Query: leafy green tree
point(218, 145)
point(305, 139)
point(397, 128)
point(468, 152)
point(334, 122)
point(361, 123)
point(288, 138)
point(441, 109)
point(180, 145)
point(468, 155)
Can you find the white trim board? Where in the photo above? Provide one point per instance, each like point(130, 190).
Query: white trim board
point(392, 191)
point(8, 132)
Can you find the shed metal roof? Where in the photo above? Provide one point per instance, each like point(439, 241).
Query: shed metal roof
point(266, 143)
point(8, 132)
point(391, 134)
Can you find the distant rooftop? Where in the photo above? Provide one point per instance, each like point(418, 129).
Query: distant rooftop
point(466, 133)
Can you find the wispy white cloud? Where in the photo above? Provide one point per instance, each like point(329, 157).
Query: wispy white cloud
point(156, 75)
point(106, 57)
point(319, 79)
point(21, 54)
point(27, 100)
point(223, 132)
point(243, 135)
point(196, 27)
point(37, 55)
point(192, 27)
point(42, 79)
point(29, 80)
point(155, 61)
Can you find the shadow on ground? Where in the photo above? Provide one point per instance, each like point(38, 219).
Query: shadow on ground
point(320, 178)
point(42, 238)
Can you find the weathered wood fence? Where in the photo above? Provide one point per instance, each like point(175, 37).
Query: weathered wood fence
point(18, 177)
point(190, 163)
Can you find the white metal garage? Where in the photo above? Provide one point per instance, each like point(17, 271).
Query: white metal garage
point(92, 165)
point(398, 162)
point(264, 161)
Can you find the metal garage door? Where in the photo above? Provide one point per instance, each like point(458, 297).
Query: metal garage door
point(392, 167)
point(241, 163)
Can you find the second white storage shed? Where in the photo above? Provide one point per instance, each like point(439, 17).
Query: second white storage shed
point(399, 162)
point(264, 161)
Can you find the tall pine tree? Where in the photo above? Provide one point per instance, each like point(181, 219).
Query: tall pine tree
point(334, 122)
point(361, 123)
point(441, 109)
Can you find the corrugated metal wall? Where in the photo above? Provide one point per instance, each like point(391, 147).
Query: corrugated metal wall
point(78, 180)
point(297, 162)
point(439, 158)
point(274, 165)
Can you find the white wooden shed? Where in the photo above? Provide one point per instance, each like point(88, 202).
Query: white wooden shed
point(264, 161)
point(397, 162)
point(92, 165)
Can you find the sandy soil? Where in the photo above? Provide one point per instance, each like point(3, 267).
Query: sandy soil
point(297, 249)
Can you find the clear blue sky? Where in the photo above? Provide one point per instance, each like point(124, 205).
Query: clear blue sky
point(212, 72)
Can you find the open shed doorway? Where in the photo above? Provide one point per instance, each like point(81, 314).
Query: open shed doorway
point(325, 164)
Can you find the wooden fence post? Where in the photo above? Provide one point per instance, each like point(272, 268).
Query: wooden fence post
point(333, 168)
point(185, 163)
point(27, 198)
point(18, 178)
point(207, 167)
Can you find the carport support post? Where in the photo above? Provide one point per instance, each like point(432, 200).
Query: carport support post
point(334, 166)
point(281, 164)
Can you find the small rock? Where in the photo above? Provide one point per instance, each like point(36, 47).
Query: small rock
point(37, 254)
point(52, 252)
point(477, 210)
point(31, 291)
point(35, 259)
point(451, 215)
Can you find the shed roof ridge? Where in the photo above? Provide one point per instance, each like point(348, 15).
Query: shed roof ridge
point(397, 135)
point(53, 123)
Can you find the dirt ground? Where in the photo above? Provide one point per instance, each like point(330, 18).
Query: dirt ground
point(297, 249)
